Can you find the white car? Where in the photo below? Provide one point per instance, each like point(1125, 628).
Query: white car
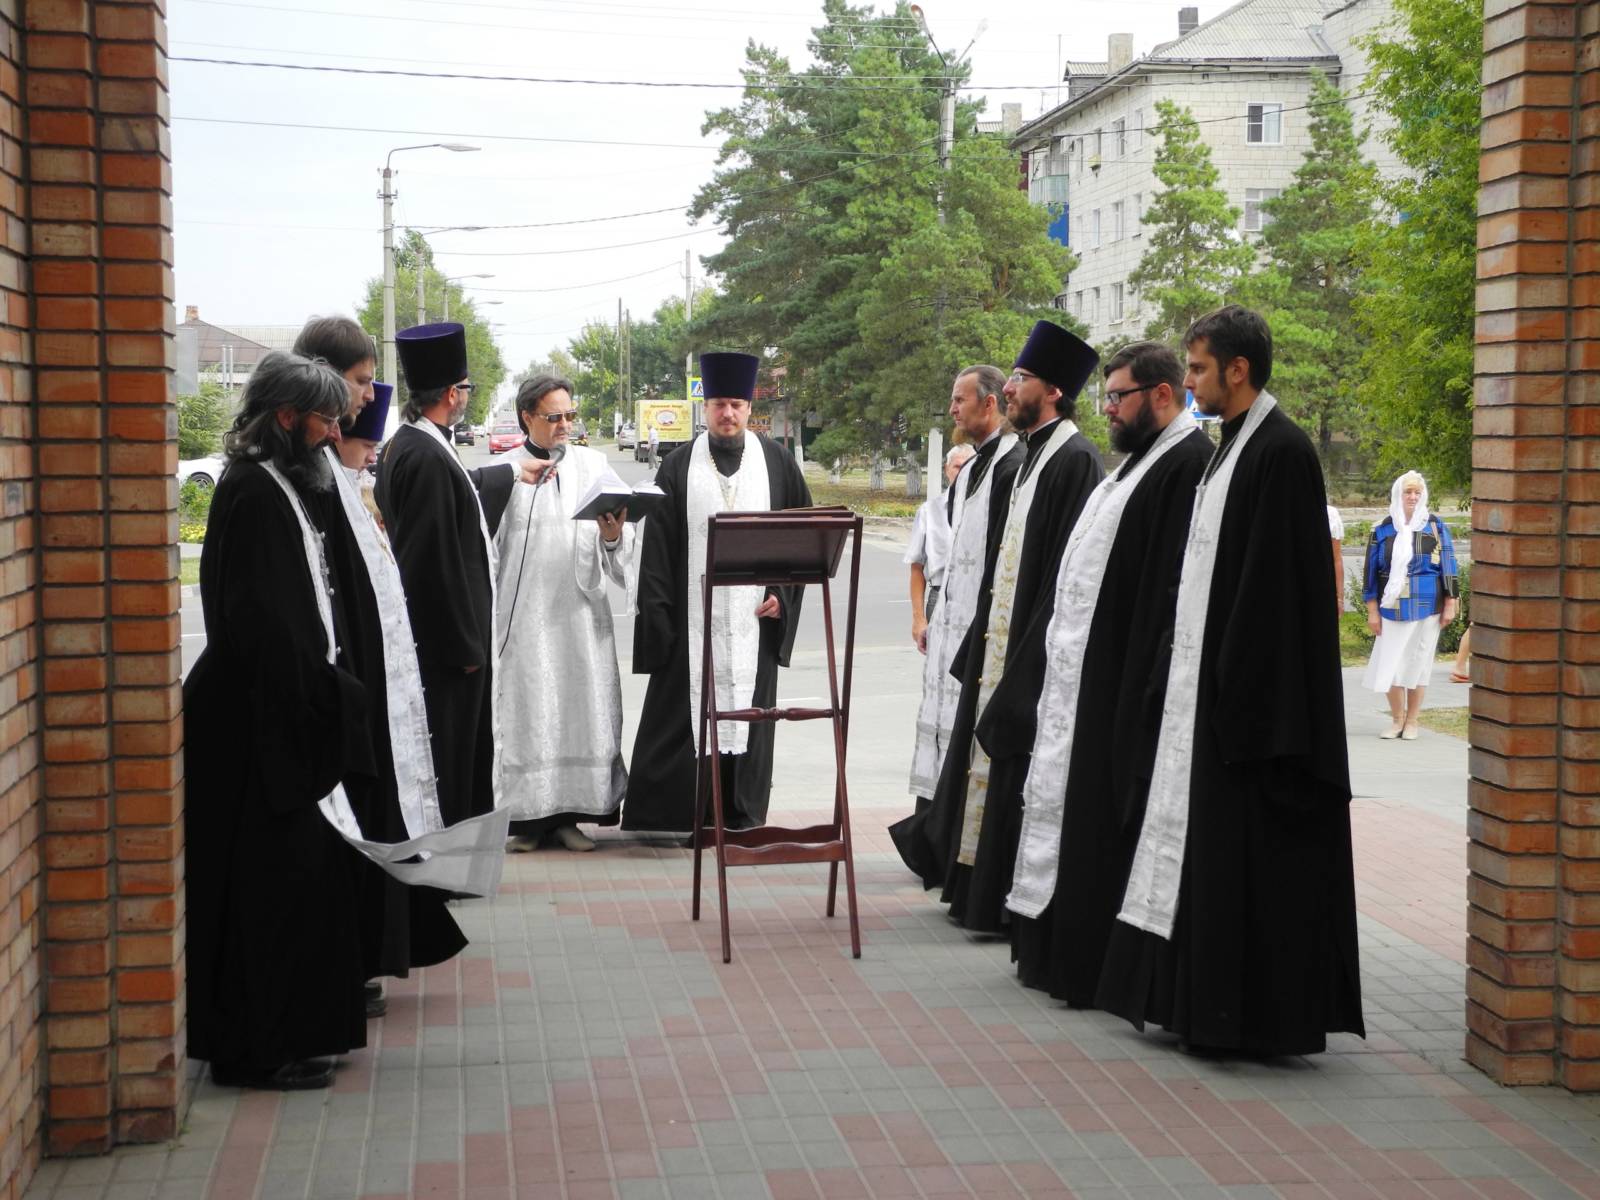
point(204, 471)
point(625, 438)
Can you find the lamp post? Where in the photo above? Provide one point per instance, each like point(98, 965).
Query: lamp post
point(387, 195)
point(448, 280)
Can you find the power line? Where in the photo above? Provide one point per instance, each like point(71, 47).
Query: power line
point(578, 287)
point(671, 237)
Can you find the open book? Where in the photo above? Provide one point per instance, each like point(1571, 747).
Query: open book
point(609, 494)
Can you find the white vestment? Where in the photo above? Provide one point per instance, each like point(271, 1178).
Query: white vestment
point(735, 628)
point(557, 690)
point(1078, 580)
point(1150, 901)
point(958, 602)
point(997, 636)
point(466, 857)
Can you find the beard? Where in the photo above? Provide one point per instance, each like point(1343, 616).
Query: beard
point(1024, 414)
point(1134, 436)
point(307, 467)
point(733, 441)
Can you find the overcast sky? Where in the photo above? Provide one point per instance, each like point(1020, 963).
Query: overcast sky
point(276, 173)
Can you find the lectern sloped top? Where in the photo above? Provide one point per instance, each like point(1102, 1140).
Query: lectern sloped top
point(774, 549)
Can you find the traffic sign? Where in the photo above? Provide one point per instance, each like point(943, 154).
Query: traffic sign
point(697, 388)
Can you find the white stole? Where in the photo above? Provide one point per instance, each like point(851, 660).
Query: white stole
point(1078, 583)
point(997, 636)
point(468, 857)
point(427, 427)
point(735, 628)
point(958, 602)
point(408, 716)
point(1150, 901)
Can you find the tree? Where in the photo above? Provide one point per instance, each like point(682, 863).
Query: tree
point(1314, 272)
point(201, 420)
point(1415, 317)
point(484, 365)
point(1194, 256)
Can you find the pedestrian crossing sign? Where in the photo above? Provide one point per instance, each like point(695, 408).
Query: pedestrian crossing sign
point(697, 389)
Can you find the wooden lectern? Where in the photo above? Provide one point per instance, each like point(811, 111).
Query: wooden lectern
point(787, 548)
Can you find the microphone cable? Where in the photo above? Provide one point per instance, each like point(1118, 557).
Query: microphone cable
point(557, 453)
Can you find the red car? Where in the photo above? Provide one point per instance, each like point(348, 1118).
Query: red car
point(504, 436)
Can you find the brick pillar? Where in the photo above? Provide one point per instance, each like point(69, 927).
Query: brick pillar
point(20, 884)
point(1533, 985)
point(99, 184)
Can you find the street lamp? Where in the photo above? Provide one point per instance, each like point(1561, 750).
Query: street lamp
point(387, 195)
point(947, 102)
point(449, 279)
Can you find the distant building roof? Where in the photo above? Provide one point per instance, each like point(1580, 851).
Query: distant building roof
point(1254, 29)
point(247, 344)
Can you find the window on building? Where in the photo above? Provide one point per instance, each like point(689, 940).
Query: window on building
point(1118, 224)
point(1119, 137)
point(1255, 219)
point(1138, 213)
point(1099, 143)
point(1094, 230)
point(1116, 303)
point(1263, 124)
point(1094, 306)
point(1138, 129)
point(1077, 304)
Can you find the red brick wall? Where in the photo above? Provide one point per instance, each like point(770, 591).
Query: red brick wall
point(93, 797)
point(1533, 986)
point(21, 1072)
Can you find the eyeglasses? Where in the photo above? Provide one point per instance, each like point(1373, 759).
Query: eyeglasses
point(556, 418)
point(465, 387)
point(1020, 376)
point(1118, 397)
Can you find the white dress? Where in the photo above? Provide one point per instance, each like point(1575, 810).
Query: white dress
point(1403, 654)
point(556, 680)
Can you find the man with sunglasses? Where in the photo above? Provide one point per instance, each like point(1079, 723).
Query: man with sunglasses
point(558, 691)
point(440, 518)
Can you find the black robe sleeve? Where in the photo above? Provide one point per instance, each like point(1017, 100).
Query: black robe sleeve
point(661, 571)
point(493, 484)
point(419, 507)
point(787, 485)
point(307, 723)
point(1279, 695)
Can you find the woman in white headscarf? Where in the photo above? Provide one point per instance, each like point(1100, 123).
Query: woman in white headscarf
point(1410, 595)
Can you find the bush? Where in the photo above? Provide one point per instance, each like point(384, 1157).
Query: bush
point(191, 533)
point(201, 420)
point(194, 503)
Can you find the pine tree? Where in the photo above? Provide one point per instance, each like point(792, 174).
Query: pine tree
point(1308, 289)
point(1415, 316)
point(1194, 257)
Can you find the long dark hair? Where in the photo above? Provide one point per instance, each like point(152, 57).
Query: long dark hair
point(280, 380)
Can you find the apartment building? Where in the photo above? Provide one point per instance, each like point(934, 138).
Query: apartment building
point(1246, 77)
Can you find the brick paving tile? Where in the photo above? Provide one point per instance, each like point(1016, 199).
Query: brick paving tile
point(589, 1043)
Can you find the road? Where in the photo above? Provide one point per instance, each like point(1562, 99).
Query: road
point(886, 690)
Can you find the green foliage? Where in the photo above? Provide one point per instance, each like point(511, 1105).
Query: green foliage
point(194, 503)
point(657, 348)
point(1415, 316)
point(1355, 639)
point(485, 367)
point(835, 257)
point(1309, 287)
point(1194, 258)
point(201, 420)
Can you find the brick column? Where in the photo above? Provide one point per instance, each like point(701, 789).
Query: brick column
point(1533, 985)
point(99, 197)
point(20, 884)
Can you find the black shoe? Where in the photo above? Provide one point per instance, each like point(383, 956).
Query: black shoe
point(305, 1075)
point(377, 1002)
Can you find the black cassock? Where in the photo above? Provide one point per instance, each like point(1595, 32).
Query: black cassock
point(923, 837)
point(401, 926)
point(1123, 682)
point(430, 508)
point(1263, 952)
point(661, 774)
point(977, 893)
point(275, 966)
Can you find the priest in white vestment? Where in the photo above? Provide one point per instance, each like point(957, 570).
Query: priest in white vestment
point(558, 691)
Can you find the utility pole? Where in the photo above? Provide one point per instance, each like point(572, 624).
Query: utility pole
point(627, 349)
point(621, 407)
point(390, 374)
point(947, 102)
point(422, 281)
point(688, 316)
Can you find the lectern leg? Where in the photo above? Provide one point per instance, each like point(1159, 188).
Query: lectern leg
point(699, 822)
point(714, 769)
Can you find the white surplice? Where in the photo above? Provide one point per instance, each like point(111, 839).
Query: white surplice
point(958, 603)
point(558, 692)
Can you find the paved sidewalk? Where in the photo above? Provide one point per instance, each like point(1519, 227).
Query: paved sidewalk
point(589, 1043)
